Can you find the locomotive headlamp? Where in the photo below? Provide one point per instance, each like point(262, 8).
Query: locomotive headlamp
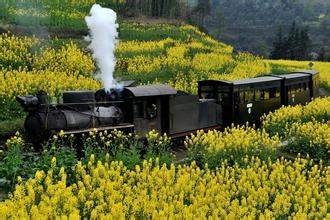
point(29, 103)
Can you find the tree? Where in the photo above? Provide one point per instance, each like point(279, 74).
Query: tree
point(294, 47)
point(278, 51)
point(321, 56)
point(303, 45)
point(200, 12)
point(155, 8)
point(291, 43)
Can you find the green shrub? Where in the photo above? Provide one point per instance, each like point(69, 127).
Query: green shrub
point(232, 145)
point(312, 138)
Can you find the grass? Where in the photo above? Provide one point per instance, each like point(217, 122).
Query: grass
point(10, 126)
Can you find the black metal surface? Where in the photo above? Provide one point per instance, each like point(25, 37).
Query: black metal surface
point(257, 80)
point(209, 113)
point(80, 97)
point(295, 88)
point(147, 114)
point(127, 83)
point(148, 90)
point(125, 126)
point(256, 100)
point(309, 72)
point(103, 95)
point(160, 107)
point(34, 125)
point(43, 100)
point(184, 113)
point(55, 120)
point(29, 103)
point(241, 101)
point(314, 82)
point(50, 118)
point(108, 115)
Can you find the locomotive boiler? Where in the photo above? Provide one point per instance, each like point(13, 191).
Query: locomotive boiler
point(78, 112)
point(140, 109)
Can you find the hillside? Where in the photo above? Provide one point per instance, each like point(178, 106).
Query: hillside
point(246, 25)
point(252, 25)
point(176, 55)
point(153, 53)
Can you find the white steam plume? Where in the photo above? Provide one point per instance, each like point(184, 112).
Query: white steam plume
point(103, 39)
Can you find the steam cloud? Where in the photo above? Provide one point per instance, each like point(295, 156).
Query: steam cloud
point(103, 39)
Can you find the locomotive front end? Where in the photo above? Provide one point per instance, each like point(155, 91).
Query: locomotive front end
point(79, 113)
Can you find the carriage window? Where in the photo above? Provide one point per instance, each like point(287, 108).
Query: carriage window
point(249, 96)
point(298, 87)
point(236, 98)
point(246, 96)
point(257, 95)
point(272, 92)
point(304, 86)
point(278, 93)
point(317, 82)
point(264, 94)
point(241, 97)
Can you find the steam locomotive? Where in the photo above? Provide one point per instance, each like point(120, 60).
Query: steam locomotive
point(140, 109)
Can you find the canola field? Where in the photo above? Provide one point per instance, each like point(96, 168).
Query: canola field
point(56, 14)
point(263, 190)
point(222, 177)
point(176, 55)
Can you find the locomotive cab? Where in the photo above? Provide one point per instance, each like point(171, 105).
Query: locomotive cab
point(147, 107)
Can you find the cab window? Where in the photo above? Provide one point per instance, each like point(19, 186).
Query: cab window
point(223, 98)
point(207, 92)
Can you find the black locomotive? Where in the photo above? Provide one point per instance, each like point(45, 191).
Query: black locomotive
point(140, 109)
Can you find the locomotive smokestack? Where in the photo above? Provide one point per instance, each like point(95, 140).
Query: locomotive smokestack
point(104, 95)
point(29, 102)
point(103, 37)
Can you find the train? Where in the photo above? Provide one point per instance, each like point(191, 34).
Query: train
point(160, 107)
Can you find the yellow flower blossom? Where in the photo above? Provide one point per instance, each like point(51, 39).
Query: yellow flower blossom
point(281, 189)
